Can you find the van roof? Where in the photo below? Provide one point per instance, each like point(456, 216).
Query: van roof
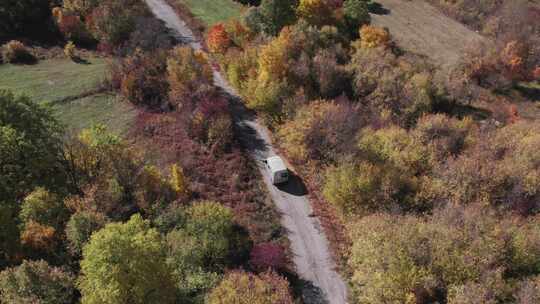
point(276, 164)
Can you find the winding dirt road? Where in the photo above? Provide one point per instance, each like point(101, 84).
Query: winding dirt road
point(312, 257)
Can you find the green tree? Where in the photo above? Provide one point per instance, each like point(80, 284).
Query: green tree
point(276, 14)
point(193, 275)
point(36, 282)
point(356, 14)
point(212, 225)
point(9, 235)
point(30, 18)
point(125, 263)
point(200, 250)
point(388, 259)
point(30, 148)
point(80, 227)
point(526, 249)
point(43, 207)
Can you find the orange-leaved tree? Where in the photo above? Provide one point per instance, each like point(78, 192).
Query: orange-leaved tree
point(372, 37)
point(218, 39)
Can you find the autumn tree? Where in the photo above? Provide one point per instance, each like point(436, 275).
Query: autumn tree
point(125, 263)
point(316, 12)
point(246, 288)
point(142, 77)
point(113, 21)
point(321, 131)
point(71, 26)
point(178, 180)
point(39, 238)
point(111, 173)
point(81, 7)
point(372, 37)
point(36, 282)
point(218, 39)
point(187, 71)
point(388, 256)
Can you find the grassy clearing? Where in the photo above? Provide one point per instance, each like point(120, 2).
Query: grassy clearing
point(51, 80)
point(213, 11)
point(101, 108)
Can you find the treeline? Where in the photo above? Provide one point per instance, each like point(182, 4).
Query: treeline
point(27, 18)
point(440, 204)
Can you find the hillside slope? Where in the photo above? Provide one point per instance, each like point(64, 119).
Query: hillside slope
point(420, 28)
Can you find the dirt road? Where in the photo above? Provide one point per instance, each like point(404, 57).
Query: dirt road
point(309, 245)
point(420, 28)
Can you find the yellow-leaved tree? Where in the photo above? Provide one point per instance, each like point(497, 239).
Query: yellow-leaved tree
point(178, 180)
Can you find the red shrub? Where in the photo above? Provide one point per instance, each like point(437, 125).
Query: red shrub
point(267, 255)
point(218, 40)
point(227, 178)
point(536, 73)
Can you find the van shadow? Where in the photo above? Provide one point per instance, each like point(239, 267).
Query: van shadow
point(305, 290)
point(295, 186)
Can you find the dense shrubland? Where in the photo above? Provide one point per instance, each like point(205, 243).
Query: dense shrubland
point(439, 206)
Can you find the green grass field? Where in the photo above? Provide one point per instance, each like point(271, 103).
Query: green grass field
point(50, 81)
point(213, 11)
point(100, 108)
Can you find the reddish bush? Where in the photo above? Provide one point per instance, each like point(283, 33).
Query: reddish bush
point(218, 40)
point(71, 26)
point(267, 255)
point(226, 177)
point(536, 73)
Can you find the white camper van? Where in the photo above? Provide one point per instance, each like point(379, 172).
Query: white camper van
point(278, 171)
